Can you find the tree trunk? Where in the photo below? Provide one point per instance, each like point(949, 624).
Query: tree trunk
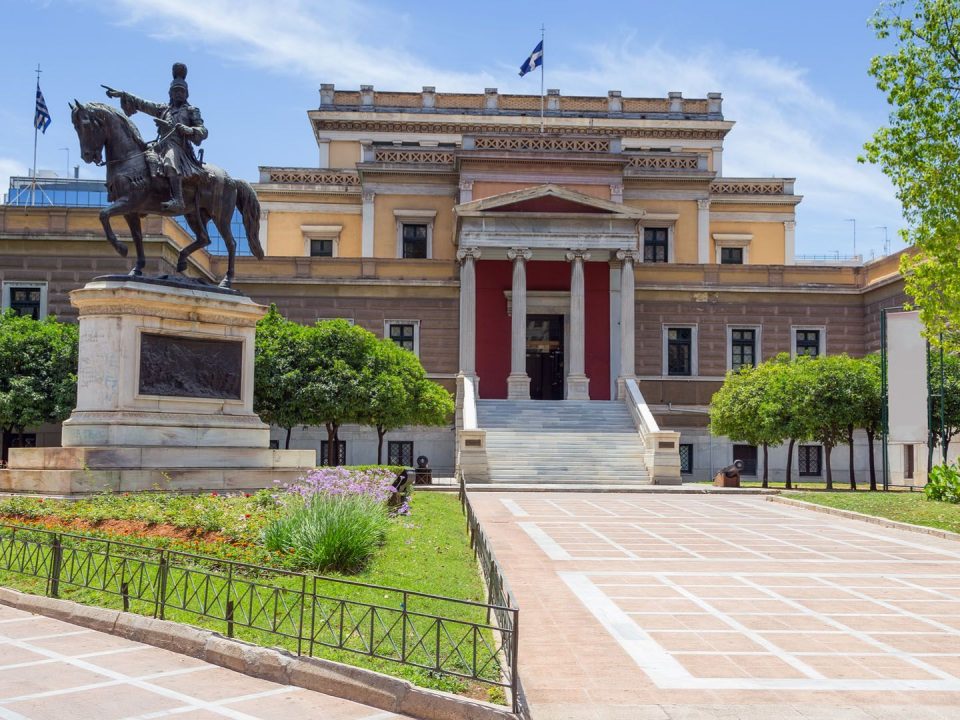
point(853, 477)
point(765, 476)
point(873, 469)
point(827, 449)
point(286, 445)
point(381, 431)
point(789, 484)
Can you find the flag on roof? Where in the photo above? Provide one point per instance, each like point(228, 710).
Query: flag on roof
point(534, 61)
point(41, 120)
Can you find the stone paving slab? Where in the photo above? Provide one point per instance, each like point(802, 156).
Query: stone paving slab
point(720, 606)
point(52, 670)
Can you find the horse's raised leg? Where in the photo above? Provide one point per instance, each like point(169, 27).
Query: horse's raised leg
point(199, 228)
point(115, 209)
point(222, 221)
point(133, 220)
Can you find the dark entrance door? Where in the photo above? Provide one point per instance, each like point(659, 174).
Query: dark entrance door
point(545, 356)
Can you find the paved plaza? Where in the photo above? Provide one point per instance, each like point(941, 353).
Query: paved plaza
point(696, 606)
point(52, 670)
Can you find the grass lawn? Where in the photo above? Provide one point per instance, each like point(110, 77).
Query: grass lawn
point(908, 507)
point(427, 551)
point(804, 485)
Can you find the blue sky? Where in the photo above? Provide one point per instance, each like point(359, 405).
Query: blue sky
point(793, 76)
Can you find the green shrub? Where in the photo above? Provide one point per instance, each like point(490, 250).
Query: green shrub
point(329, 533)
point(943, 483)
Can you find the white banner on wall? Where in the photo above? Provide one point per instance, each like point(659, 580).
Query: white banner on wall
point(906, 378)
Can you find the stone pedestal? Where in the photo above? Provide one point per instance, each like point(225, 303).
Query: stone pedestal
point(164, 398)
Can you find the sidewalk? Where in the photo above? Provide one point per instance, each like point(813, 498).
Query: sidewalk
point(52, 670)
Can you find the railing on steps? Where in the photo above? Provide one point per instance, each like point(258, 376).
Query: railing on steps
point(507, 611)
point(661, 447)
point(471, 439)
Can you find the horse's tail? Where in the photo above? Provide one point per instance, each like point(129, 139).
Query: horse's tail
point(249, 208)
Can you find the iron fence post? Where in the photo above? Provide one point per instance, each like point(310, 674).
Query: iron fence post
point(403, 625)
point(303, 600)
point(230, 618)
point(160, 608)
point(514, 652)
point(313, 614)
point(229, 606)
point(125, 594)
point(56, 559)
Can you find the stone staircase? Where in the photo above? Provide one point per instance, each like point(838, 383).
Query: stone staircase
point(557, 442)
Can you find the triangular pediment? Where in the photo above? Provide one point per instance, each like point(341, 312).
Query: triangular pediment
point(547, 200)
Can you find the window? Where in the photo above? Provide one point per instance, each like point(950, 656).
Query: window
point(26, 298)
point(23, 440)
point(414, 241)
point(686, 458)
point(747, 454)
point(405, 333)
point(321, 240)
point(743, 348)
point(655, 245)
point(908, 462)
point(341, 452)
point(321, 248)
point(274, 444)
point(415, 233)
point(808, 460)
point(400, 452)
point(679, 351)
point(731, 256)
point(809, 341)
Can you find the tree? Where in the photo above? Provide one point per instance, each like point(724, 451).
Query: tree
point(870, 407)
point(400, 394)
point(830, 404)
point(38, 374)
point(919, 152)
point(279, 373)
point(335, 357)
point(942, 435)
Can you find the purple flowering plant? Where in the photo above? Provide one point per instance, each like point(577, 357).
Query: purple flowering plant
point(374, 483)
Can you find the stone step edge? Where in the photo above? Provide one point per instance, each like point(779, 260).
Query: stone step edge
point(360, 685)
point(863, 517)
point(603, 488)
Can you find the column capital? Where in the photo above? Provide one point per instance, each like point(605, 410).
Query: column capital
point(368, 196)
point(466, 184)
point(578, 254)
point(789, 224)
point(629, 256)
point(468, 252)
point(703, 204)
point(519, 253)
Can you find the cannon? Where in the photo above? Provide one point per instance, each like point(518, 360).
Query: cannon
point(729, 476)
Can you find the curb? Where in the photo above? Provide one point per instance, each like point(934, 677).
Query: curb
point(273, 664)
point(634, 489)
point(873, 519)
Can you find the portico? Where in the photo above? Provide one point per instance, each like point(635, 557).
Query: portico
point(538, 231)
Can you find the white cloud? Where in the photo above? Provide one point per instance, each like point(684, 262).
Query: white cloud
point(785, 127)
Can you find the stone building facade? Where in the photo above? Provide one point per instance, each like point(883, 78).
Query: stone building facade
point(554, 259)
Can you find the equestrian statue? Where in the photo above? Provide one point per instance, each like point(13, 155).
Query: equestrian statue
point(163, 177)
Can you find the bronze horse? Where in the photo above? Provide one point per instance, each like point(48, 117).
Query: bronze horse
point(136, 188)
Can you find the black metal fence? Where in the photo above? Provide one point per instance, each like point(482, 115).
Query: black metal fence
point(498, 594)
point(301, 612)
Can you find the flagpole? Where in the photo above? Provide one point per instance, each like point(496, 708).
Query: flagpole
point(542, 59)
point(33, 183)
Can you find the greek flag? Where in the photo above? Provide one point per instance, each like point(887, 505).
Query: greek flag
point(41, 121)
point(534, 61)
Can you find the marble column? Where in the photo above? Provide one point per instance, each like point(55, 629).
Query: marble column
point(468, 310)
point(518, 382)
point(366, 224)
point(789, 242)
point(578, 384)
point(627, 309)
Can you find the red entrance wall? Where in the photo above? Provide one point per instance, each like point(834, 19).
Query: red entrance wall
point(493, 324)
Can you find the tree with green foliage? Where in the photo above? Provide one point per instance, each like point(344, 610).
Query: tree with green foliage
point(870, 407)
point(38, 374)
point(831, 404)
point(279, 373)
point(942, 435)
point(400, 394)
point(335, 356)
point(919, 151)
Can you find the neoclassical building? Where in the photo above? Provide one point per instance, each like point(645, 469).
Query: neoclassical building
point(598, 255)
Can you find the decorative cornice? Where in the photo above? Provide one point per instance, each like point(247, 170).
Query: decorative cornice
point(308, 176)
point(455, 128)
